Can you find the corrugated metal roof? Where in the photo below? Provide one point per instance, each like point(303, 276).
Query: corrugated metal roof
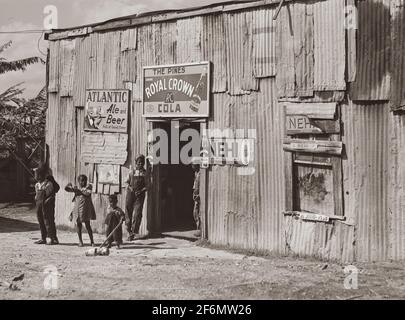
point(157, 16)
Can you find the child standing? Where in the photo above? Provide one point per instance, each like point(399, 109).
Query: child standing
point(44, 192)
point(83, 209)
point(135, 197)
point(115, 216)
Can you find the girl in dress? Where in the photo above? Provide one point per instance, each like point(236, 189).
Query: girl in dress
point(83, 209)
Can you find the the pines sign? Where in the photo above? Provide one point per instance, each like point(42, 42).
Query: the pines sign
point(176, 91)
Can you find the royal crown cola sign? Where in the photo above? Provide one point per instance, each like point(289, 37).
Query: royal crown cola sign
point(179, 91)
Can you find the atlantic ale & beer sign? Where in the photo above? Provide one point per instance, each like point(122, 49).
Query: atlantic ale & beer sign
point(176, 90)
point(106, 110)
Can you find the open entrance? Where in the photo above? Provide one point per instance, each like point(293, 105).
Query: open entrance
point(175, 181)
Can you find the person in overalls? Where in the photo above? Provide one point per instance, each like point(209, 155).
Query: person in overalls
point(136, 191)
point(45, 191)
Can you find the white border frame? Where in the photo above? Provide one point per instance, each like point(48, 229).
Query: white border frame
point(193, 116)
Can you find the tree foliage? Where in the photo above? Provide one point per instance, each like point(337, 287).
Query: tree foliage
point(16, 65)
point(20, 118)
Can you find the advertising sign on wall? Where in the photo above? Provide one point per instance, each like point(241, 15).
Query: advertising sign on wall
point(106, 110)
point(176, 90)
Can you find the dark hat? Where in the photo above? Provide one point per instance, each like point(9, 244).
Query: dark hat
point(140, 157)
point(42, 168)
point(113, 197)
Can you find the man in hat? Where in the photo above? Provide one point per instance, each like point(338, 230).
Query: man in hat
point(45, 191)
point(135, 197)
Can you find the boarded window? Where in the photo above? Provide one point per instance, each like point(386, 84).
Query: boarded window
point(314, 190)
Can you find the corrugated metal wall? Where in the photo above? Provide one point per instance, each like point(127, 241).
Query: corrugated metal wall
point(256, 61)
point(366, 173)
point(396, 187)
point(397, 54)
point(372, 81)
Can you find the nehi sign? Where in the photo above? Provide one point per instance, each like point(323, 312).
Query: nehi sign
point(107, 110)
point(176, 90)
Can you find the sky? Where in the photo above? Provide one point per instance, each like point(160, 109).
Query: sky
point(16, 15)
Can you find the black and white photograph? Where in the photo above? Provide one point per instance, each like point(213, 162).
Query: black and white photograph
point(215, 153)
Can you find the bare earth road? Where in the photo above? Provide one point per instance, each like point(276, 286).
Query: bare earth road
point(170, 268)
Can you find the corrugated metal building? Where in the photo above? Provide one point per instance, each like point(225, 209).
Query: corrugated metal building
point(322, 85)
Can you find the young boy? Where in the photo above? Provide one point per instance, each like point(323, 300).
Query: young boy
point(113, 219)
point(44, 198)
point(135, 197)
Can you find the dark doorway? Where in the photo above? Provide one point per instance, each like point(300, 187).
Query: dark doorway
point(176, 181)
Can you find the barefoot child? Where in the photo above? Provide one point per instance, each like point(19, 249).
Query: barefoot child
point(135, 197)
point(83, 209)
point(113, 219)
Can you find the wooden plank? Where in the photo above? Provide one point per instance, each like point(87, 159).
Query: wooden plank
point(299, 124)
point(78, 32)
point(204, 194)
point(288, 176)
point(113, 25)
point(298, 213)
point(312, 110)
point(351, 25)
point(313, 146)
point(338, 185)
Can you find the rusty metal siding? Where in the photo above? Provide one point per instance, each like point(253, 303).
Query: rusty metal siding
point(189, 34)
point(81, 71)
point(264, 43)
point(373, 52)
point(396, 200)
point(64, 166)
point(214, 50)
point(334, 241)
point(239, 41)
point(53, 85)
point(329, 45)
point(67, 58)
point(246, 211)
point(112, 50)
point(398, 52)
point(165, 40)
point(269, 164)
point(366, 172)
point(285, 78)
point(351, 22)
point(303, 26)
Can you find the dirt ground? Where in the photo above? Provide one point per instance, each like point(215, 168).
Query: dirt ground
point(169, 268)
